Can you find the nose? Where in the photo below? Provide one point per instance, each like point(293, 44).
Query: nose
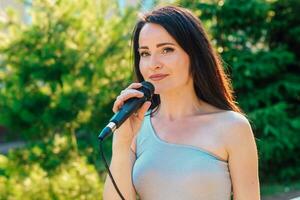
point(154, 63)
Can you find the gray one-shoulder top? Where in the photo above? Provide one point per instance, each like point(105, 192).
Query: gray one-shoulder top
point(167, 171)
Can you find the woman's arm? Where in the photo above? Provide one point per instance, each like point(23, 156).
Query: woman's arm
point(243, 160)
point(121, 166)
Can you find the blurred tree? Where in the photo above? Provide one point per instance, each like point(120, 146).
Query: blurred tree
point(259, 42)
point(60, 73)
point(48, 170)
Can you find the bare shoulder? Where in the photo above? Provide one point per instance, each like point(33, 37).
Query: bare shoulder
point(242, 156)
point(233, 117)
point(236, 129)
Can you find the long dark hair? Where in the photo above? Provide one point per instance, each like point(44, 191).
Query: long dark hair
point(211, 84)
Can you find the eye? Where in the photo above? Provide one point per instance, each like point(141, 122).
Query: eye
point(144, 54)
point(167, 49)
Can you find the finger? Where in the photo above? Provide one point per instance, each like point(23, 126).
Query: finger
point(117, 106)
point(125, 96)
point(119, 103)
point(129, 94)
point(134, 85)
point(130, 90)
point(141, 112)
point(133, 89)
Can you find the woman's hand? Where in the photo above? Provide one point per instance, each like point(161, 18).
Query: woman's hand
point(126, 132)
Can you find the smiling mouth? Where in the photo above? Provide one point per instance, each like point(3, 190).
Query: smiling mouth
point(158, 78)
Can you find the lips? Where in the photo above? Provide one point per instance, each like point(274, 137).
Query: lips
point(157, 77)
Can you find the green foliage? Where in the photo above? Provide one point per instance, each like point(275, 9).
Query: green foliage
point(49, 170)
point(260, 44)
point(48, 154)
point(59, 73)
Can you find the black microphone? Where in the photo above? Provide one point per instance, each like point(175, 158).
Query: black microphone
point(130, 106)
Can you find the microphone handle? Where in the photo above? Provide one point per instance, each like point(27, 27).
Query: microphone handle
point(130, 106)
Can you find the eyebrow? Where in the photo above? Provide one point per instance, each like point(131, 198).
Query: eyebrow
point(158, 45)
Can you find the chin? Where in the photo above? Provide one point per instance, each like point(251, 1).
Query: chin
point(159, 87)
point(158, 90)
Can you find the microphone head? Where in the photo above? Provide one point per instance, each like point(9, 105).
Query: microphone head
point(148, 89)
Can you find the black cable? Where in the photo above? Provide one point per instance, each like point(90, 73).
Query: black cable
point(109, 173)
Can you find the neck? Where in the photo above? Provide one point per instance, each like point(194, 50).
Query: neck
point(176, 105)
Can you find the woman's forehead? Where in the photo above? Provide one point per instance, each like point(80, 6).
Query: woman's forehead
point(152, 34)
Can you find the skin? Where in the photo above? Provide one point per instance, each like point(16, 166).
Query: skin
point(226, 134)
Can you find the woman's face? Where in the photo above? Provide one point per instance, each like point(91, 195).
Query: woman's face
point(161, 54)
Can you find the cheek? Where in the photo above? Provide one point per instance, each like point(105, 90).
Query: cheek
point(182, 63)
point(142, 69)
point(179, 58)
point(183, 69)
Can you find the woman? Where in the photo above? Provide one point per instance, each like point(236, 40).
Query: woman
point(191, 141)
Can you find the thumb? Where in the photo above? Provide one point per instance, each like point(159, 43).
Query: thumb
point(143, 109)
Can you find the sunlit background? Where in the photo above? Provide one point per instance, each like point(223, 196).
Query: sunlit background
point(62, 64)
